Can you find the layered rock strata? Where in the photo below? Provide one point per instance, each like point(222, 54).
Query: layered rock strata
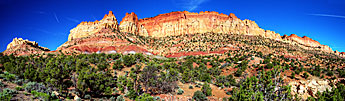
point(18, 46)
point(85, 29)
point(184, 22)
point(306, 43)
point(175, 24)
point(180, 23)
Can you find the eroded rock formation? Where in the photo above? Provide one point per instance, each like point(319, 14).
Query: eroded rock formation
point(85, 29)
point(309, 88)
point(175, 24)
point(18, 46)
point(184, 22)
point(307, 43)
point(180, 23)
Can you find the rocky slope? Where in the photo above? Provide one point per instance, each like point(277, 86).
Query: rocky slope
point(309, 88)
point(18, 46)
point(306, 43)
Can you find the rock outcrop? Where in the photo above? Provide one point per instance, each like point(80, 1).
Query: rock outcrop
point(307, 43)
point(129, 23)
point(18, 46)
point(85, 29)
point(309, 88)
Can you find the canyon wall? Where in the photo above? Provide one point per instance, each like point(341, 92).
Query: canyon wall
point(184, 22)
point(180, 23)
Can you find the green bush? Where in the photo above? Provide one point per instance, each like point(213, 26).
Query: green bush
point(120, 98)
point(180, 91)
point(206, 89)
point(7, 94)
point(19, 88)
point(2, 84)
point(112, 98)
point(39, 87)
point(129, 60)
point(118, 65)
point(41, 95)
point(305, 75)
point(87, 96)
point(269, 66)
point(199, 96)
point(8, 76)
point(144, 97)
point(190, 87)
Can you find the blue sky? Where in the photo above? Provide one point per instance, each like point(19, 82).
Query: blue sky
point(48, 21)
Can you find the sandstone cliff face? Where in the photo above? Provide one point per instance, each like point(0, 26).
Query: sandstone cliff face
point(129, 23)
point(85, 29)
point(180, 23)
point(18, 46)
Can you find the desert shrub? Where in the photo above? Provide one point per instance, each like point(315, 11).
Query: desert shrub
point(262, 87)
point(118, 65)
point(157, 98)
point(305, 75)
point(269, 66)
point(112, 98)
point(206, 89)
point(87, 96)
point(145, 97)
point(2, 84)
point(8, 76)
point(98, 83)
point(40, 95)
point(39, 87)
point(180, 91)
point(335, 94)
point(190, 87)
point(120, 98)
point(293, 75)
point(7, 94)
point(9, 66)
point(129, 60)
point(108, 91)
point(199, 96)
point(19, 88)
point(19, 82)
point(78, 99)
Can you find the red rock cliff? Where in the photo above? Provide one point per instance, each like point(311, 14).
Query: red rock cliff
point(179, 23)
point(184, 22)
